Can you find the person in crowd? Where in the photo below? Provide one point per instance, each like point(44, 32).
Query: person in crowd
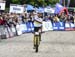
point(50, 17)
point(72, 19)
point(2, 27)
point(23, 17)
point(32, 17)
point(46, 18)
point(29, 18)
point(56, 19)
point(2, 21)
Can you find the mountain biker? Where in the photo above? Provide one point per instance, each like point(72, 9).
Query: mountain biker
point(38, 24)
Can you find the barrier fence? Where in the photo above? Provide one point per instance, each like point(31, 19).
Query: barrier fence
point(29, 27)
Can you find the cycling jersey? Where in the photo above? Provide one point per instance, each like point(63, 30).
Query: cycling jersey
point(37, 22)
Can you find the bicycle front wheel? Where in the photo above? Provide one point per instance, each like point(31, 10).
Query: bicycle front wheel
point(37, 43)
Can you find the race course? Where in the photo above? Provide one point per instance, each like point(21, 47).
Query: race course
point(53, 44)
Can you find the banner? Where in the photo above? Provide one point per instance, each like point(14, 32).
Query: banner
point(56, 26)
point(49, 10)
point(2, 5)
point(23, 28)
point(16, 8)
point(61, 26)
point(72, 26)
point(29, 26)
point(19, 29)
point(67, 27)
point(60, 1)
point(47, 26)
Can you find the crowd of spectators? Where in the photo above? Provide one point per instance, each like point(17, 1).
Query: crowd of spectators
point(61, 18)
point(12, 19)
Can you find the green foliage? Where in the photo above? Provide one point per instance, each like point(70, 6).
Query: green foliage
point(47, 2)
point(15, 1)
point(34, 2)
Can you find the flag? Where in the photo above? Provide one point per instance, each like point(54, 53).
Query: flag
point(68, 3)
point(58, 8)
point(61, 2)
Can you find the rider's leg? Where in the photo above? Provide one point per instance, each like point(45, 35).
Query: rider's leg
point(34, 40)
point(40, 30)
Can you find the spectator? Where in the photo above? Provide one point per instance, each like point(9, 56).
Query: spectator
point(56, 19)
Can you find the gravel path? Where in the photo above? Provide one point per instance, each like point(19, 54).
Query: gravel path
point(54, 44)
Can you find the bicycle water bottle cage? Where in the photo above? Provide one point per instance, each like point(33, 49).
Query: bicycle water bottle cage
point(36, 33)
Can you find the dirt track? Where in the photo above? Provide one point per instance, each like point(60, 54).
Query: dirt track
point(54, 44)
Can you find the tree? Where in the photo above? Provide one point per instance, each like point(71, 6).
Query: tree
point(33, 2)
point(15, 1)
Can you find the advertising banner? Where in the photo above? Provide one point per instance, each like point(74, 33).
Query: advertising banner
point(16, 8)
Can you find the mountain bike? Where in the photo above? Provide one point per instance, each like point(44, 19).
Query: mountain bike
point(36, 40)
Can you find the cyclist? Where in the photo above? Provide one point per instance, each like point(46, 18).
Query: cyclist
point(37, 24)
